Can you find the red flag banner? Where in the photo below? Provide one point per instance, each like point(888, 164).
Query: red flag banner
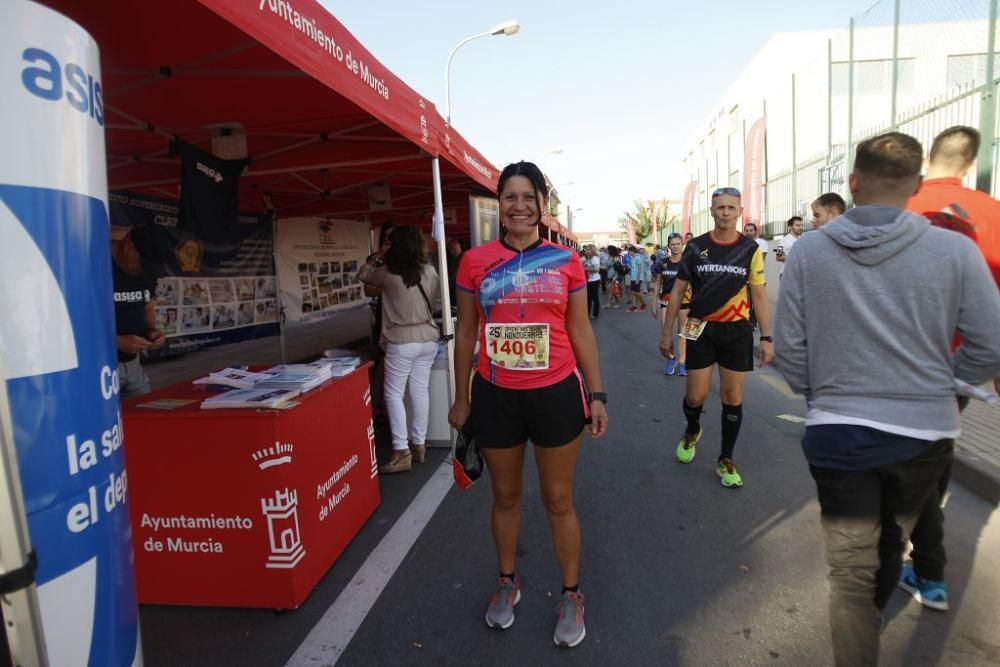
point(753, 173)
point(630, 230)
point(689, 192)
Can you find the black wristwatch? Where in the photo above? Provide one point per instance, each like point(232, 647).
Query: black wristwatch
point(598, 396)
point(766, 339)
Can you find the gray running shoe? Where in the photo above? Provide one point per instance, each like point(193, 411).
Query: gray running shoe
point(500, 613)
point(570, 630)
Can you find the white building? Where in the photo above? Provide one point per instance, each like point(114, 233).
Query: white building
point(817, 112)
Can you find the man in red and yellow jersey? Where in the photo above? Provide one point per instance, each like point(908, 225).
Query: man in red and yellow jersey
point(724, 269)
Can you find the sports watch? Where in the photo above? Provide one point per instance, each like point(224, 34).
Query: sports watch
point(598, 396)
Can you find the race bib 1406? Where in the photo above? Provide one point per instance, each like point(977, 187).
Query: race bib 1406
point(522, 347)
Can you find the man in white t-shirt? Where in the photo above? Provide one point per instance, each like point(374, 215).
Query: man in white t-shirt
point(750, 231)
point(788, 240)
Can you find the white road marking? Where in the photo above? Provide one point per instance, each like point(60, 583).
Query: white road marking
point(793, 418)
point(330, 637)
point(778, 384)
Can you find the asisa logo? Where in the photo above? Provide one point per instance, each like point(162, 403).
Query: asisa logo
point(47, 79)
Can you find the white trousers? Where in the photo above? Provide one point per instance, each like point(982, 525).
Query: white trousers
point(408, 364)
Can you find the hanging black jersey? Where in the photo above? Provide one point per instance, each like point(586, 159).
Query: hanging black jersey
point(719, 274)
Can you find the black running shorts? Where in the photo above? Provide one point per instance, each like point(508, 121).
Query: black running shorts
point(729, 344)
point(550, 416)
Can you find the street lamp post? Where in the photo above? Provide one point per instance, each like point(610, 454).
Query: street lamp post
point(505, 28)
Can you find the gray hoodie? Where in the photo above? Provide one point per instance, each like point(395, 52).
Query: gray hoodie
point(866, 314)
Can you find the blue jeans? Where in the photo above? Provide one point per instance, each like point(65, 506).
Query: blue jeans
point(867, 516)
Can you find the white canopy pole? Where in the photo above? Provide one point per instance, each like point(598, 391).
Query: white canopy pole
point(437, 232)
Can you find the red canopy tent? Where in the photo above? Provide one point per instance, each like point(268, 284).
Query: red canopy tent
point(322, 118)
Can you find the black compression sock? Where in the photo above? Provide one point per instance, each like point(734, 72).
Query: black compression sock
point(693, 416)
point(732, 419)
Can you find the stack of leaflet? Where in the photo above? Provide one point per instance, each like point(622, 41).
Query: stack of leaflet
point(300, 377)
point(236, 378)
point(262, 398)
point(338, 366)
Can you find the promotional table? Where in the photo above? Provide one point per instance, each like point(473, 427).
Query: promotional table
point(247, 508)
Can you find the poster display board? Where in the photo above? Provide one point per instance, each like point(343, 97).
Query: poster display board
point(57, 338)
point(317, 262)
point(270, 497)
point(484, 217)
point(207, 292)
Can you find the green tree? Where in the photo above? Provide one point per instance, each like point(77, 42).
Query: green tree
point(642, 216)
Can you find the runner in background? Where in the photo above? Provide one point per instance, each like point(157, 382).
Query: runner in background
point(826, 207)
point(523, 299)
point(944, 201)
point(664, 284)
point(722, 267)
point(616, 278)
point(592, 269)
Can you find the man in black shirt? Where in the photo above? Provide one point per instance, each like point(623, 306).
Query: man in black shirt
point(135, 316)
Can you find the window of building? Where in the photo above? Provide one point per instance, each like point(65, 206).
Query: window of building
point(873, 77)
point(969, 70)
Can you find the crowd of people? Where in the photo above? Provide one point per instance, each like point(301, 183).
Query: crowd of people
point(880, 425)
point(909, 275)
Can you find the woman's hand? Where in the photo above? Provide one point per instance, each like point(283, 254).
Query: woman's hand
point(598, 419)
point(459, 414)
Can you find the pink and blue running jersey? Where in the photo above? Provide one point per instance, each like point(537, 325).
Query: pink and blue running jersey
point(521, 288)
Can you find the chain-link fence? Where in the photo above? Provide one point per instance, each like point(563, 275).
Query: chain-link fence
point(916, 66)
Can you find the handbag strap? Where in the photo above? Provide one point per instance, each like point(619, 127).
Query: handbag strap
point(430, 311)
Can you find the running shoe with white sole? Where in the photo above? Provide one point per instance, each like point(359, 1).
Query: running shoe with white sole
point(570, 629)
point(685, 448)
point(728, 475)
point(931, 594)
point(500, 612)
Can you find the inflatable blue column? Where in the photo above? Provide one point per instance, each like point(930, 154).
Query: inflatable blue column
point(57, 336)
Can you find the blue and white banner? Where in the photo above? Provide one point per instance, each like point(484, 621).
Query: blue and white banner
point(208, 291)
point(57, 337)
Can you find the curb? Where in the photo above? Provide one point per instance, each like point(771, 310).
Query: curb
point(976, 474)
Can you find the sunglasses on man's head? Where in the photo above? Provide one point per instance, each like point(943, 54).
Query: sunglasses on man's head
point(726, 191)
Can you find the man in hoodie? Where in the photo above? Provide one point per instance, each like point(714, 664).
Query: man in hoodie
point(881, 423)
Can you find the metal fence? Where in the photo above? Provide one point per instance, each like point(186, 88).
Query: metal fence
point(916, 66)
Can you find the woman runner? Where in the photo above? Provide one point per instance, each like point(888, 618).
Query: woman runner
point(664, 283)
point(524, 300)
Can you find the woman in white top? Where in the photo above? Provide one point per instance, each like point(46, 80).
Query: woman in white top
point(410, 337)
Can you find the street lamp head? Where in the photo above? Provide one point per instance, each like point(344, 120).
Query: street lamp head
point(506, 28)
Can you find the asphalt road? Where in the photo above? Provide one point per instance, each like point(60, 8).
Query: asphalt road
point(677, 570)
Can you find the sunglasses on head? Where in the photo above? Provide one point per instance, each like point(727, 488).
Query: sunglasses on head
point(726, 191)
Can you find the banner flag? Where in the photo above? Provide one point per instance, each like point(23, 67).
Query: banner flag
point(207, 293)
point(753, 173)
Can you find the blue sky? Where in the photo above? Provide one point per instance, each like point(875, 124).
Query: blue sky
point(618, 86)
